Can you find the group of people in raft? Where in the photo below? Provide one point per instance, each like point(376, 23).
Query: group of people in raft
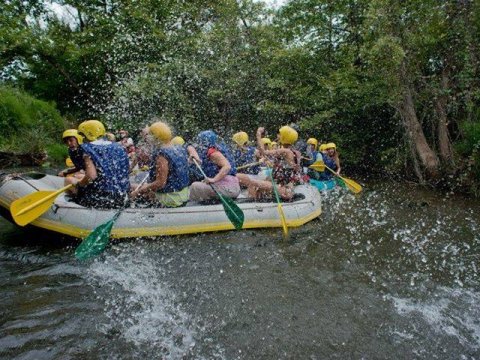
point(101, 169)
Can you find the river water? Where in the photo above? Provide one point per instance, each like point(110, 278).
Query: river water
point(392, 273)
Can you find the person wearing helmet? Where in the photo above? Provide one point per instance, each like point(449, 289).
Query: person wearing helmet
point(266, 143)
point(244, 155)
point(274, 145)
point(178, 140)
point(286, 165)
point(168, 180)
point(312, 144)
point(218, 164)
point(311, 157)
point(332, 154)
point(73, 140)
point(322, 148)
point(106, 183)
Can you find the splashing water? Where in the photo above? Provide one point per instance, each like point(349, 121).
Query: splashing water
point(140, 306)
point(390, 273)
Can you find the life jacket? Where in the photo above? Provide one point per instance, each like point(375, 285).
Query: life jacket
point(209, 167)
point(245, 157)
point(178, 169)
point(328, 161)
point(283, 173)
point(76, 155)
point(111, 163)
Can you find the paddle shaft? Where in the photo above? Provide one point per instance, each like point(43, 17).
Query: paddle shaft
point(280, 208)
point(233, 212)
point(46, 198)
point(352, 185)
point(205, 176)
point(248, 165)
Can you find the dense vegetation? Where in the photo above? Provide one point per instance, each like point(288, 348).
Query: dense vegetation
point(394, 84)
point(29, 125)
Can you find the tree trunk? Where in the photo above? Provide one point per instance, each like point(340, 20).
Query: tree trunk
point(444, 144)
point(428, 159)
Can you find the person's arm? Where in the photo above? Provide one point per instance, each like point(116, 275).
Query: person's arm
point(192, 154)
point(337, 162)
point(161, 176)
point(90, 172)
point(260, 147)
point(66, 172)
point(218, 159)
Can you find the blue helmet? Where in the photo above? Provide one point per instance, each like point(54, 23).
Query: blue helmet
point(207, 138)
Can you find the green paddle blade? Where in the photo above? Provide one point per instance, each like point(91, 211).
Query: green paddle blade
point(96, 241)
point(234, 213)
point(340, 183)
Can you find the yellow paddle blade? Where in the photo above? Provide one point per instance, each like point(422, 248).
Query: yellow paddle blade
point(284, 220)
point(352, 185)
point(318, 166)
point(28, 208)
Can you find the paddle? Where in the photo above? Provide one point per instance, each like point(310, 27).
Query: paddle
point(31, 206)
point(352, 185)
point(279, 208)
point(234, 213)
point(98, 239)
point(318, 166)
point(248, 165)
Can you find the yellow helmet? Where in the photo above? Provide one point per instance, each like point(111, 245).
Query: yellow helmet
point(331, 146)
point(240, 138)
point(323, 147)
point(313, 141)
point(69, 162)
point(178, 140)
point(266, 141)
point(287, 135)
point(274, 144)
point(91, 129)
point(161, 132)
point(72, 133)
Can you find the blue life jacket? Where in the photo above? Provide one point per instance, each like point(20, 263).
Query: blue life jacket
point(209, 167)
point(328, 161)
point(76, 155)
point(111, 162)
point(178, 169)
point(245, 157)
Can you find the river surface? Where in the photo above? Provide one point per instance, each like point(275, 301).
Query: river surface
point(390, 274)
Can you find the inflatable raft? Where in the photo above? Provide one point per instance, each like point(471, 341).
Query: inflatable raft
point(327, 184)
point(69, 218)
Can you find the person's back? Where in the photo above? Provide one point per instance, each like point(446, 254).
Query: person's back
point(106, 182)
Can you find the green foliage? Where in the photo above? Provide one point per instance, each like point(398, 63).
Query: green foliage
point(338, 68)
point(27, 124)
point(57, 153)
point(469, 147)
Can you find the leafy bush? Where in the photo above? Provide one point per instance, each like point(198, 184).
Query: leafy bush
point(27, 125)
point(469, 147)
point(57, 153)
